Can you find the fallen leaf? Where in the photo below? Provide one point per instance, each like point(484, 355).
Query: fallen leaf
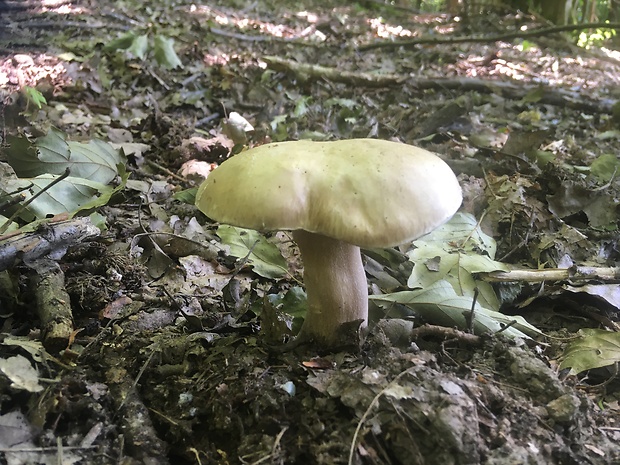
point(595, 348)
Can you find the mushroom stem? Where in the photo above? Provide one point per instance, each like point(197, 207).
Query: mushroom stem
point(335, 284)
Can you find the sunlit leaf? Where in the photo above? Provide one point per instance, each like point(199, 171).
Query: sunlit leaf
point(236, 127)
point(526, 45)
point(595, 348)
point(455, 252)
point(265, 258)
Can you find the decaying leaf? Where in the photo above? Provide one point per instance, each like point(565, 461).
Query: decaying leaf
point(14, 429)
point(608, 293)
point(595, 348)
point(571, 198)
point(21, 373)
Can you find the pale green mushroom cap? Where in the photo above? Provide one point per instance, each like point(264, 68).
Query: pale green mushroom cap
point(367, 192)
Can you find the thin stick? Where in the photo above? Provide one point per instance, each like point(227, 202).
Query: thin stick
point(6, 224)
point(493, 38)
point(374, 402)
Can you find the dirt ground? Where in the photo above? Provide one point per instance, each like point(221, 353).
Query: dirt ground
point(178, 354)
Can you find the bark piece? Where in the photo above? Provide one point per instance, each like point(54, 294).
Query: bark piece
point(50, 240)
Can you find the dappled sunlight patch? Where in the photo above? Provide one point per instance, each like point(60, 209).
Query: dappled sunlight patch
point(245, 24)
point(19, 70)
point(62, 7)
point(385, 31)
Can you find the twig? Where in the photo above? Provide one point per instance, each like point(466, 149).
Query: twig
point(471, 318)
point(373, 403)
point(445, 333)
point(297, 39)
point(509, 325)
point(76, 24)
point(506, 89)
point(163, 169)
point(17, 450)
point(53, 305)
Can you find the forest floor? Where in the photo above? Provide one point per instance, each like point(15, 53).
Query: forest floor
point(177, 351)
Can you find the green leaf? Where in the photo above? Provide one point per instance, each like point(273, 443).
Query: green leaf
point(294, 302)
point(22, 156)
point(341, 102)
point(34, 96)
point(463, 232)
point(526, 45)
point(439, 304)
point(264, 256)
point(52, 154)
point(6, 225)
point(67, 196)
point(165, 54)
point(105, 195)
point(455, 252)
point(595, 348)
point(187, 196)
point(534, 95)
point(139, 46)
point(121, 43)
point(605, 166)
point(97, 160)
point(301, 106)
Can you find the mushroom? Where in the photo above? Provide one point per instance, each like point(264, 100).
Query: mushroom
point(336, 197)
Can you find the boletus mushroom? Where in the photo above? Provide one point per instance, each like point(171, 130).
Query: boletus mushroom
point(336, 197)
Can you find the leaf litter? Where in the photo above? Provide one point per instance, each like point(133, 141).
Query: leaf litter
point(181, 366)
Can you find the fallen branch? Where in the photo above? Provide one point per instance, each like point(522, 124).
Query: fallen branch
point(507, 89)
point(39, 250)
point(53, 305)
point(305, 72)
point(484, 39)
point(609, 275)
